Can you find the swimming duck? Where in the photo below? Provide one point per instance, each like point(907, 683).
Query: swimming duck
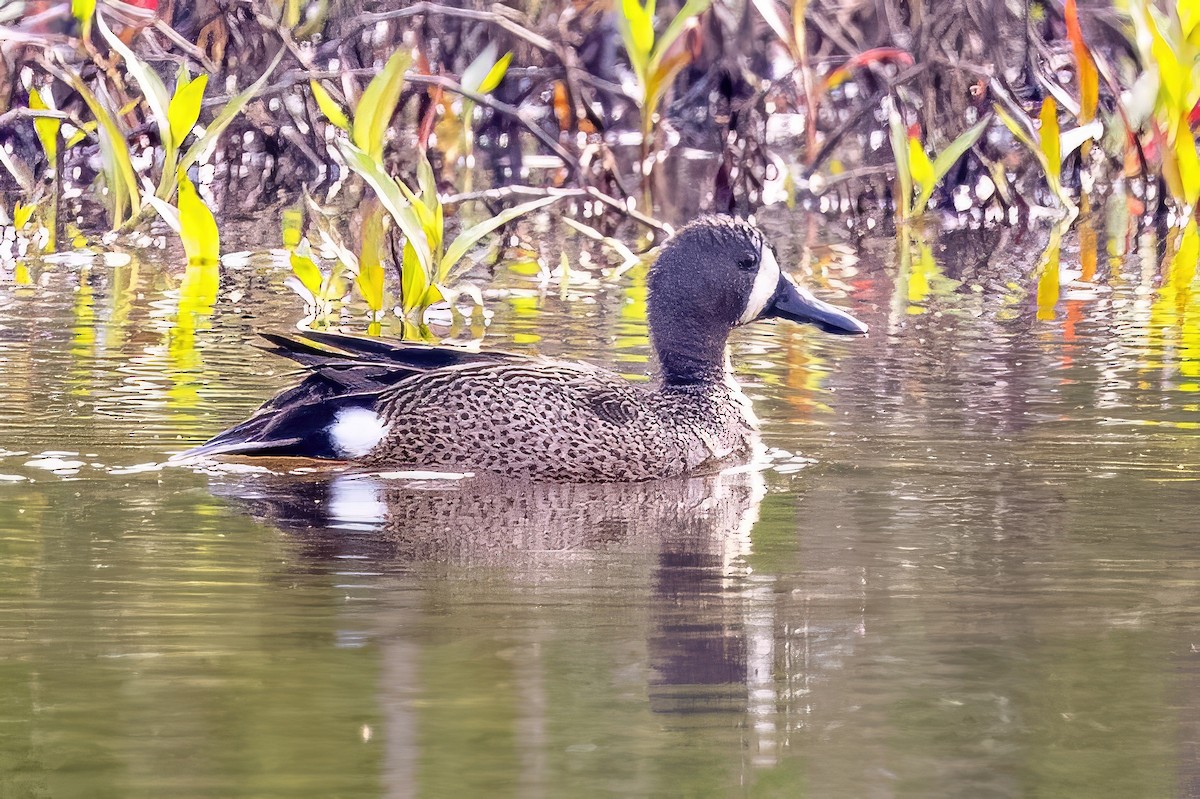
point(401, 405)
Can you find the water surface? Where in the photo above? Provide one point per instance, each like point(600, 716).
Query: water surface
point(968, 569)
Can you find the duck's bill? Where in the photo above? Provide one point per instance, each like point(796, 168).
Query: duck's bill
point(798, 305)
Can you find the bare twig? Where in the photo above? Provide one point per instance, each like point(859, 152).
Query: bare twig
point(433, 9)
point(569, 160)
point(591, 192)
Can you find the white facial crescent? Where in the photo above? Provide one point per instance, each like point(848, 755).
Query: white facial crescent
point(765, 283)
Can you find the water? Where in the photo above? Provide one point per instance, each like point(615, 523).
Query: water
point(982, 584)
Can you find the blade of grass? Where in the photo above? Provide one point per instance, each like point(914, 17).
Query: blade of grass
point(469, 237)
point(197, 227)
point(118, 165)
point(378, 103)
point(389, 194)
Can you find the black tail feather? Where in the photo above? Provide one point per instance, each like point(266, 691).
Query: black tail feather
point(296, 429)
point(343, 372)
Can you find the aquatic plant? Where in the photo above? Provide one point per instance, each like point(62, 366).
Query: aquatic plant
point(654, 57)
point(915, 172)
point(1169, 43)
point(426, 262)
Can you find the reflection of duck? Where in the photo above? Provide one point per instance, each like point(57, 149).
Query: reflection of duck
point(487, 520)
point(393, 404)
point(662, 562)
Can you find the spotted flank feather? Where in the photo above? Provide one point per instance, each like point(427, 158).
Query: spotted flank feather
point(400, 405)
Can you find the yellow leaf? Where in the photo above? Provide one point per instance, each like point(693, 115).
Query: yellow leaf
point(307, 271)
point(1048, 285)
point(81, 133)
point(1048, 135)
point(22, 213)
point(1188, 163)
point(293, 222)
point(495, 74)
point(641, 26)
point(184, 108)
point(46, 129)
point(370, 259)
point(197, 227)
point(83, 11)
point(414, 281)
point(919, 164)
point(329, 107)
point(377, 104)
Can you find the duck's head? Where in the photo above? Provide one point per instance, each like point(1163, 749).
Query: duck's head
point(715, 274)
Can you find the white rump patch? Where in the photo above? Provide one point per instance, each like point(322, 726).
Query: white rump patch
point(765, 283)
point(356, 431)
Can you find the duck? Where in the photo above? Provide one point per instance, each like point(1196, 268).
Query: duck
point(390, 404)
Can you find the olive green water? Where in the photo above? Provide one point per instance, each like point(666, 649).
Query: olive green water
point(985, 584)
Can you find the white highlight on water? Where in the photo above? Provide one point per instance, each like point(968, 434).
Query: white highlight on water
point(765, 283)
point(356, 431)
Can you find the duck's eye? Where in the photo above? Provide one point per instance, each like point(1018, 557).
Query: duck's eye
point(749, 263)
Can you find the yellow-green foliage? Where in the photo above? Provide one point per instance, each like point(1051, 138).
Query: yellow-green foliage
point(426, 261)
point(654, 62)
point(915, 169)
point(1169, 41)
point(197, 227)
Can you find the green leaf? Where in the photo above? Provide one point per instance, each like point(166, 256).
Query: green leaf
point(152, 86)
point(478, 70)
point(414, 279)
point(958, 148)
point(197, 227)
point(898, 136)
point(184, 108)
point(377, 105)
point(119, 174)
point(168, 212)
point(227, 114)
point(46, 128)
point(948, 158)
point(1019, 131)
point(1052, 171)
point(393, 200)
point(329, 107)
point(678, 25)
point(469, 237)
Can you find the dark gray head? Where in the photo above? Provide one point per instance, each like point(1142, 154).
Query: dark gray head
point(713, 275)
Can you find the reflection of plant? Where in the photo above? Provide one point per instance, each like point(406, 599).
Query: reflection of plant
point(914, 169)
point(655, 62)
